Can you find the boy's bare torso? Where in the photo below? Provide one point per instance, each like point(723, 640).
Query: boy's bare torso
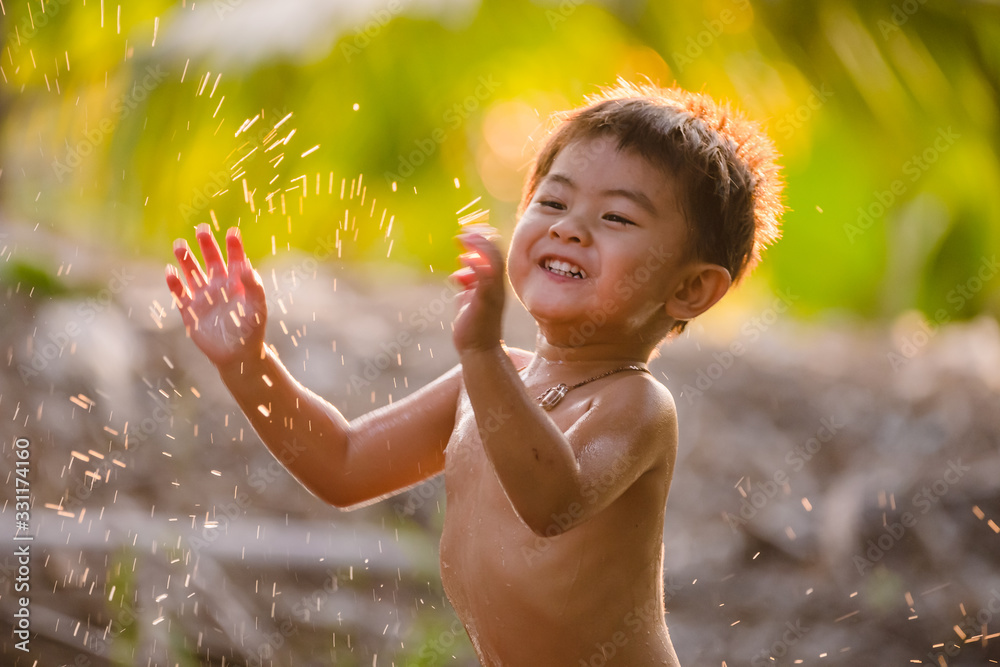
point(590, 596)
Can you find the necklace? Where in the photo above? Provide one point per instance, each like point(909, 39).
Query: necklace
point(551, 397)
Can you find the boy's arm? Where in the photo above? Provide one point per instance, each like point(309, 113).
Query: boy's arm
point(545, 472)
point(345, 463)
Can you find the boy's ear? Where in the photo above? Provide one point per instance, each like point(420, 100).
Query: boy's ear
point(703, 286)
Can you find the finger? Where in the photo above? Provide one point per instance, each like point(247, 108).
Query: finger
point(214, 265)
point(462, 301)
point(238, 262)
point(465, 277)
point(479, 265)
point(484, 270)
point(180, 294)
point(234, 251)
point(189, 265)
point(484, 229)
point(485, 247)
point(252, 285)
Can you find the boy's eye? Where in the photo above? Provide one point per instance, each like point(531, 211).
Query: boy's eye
point(617, 218)
point(551, 204)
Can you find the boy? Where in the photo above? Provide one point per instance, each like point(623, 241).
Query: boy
point(639, 213)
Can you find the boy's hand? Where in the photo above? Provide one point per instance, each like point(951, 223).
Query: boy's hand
point(480, 305)
point(224, 311)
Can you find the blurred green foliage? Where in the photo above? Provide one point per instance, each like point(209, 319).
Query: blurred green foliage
point(123, 637)
point(886, 113)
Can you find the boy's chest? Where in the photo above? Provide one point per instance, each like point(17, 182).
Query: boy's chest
point(466, 460)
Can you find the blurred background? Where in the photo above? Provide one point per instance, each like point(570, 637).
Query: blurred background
point(835, 498)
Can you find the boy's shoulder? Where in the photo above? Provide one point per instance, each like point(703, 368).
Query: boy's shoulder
point(640, 395)
point(644, 398)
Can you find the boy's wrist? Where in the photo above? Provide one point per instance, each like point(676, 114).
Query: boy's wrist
point(238, 363)
point(492, 354)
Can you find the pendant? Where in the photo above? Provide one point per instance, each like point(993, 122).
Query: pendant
point(552, 396)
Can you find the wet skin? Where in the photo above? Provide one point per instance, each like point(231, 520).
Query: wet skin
point(552, 545)
point(531, 599)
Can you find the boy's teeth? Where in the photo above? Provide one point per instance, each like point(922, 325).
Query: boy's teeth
point(565, 268)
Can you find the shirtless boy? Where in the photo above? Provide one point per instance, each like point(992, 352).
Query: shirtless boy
point(640, 212)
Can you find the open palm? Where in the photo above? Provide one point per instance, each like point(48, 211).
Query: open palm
point(480, 304)
point(223, 307)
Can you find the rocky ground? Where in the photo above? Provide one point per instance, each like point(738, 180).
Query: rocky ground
point(835, 497)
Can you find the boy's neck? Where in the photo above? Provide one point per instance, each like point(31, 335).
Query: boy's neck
point(594, 356)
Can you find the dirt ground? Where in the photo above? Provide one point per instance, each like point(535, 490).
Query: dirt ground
point(834, 502)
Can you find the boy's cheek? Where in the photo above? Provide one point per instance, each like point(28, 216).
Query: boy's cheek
point(515, 266)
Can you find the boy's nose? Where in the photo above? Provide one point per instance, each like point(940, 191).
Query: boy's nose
point(570, 230)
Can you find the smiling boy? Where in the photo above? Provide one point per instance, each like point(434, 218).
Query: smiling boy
point(640, 212)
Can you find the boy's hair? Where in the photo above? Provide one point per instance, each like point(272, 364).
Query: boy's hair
point(724, 164)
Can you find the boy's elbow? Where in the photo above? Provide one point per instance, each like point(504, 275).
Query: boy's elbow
point(340, 496)
point(345, 501)
point(346, 497)
point(343, 504)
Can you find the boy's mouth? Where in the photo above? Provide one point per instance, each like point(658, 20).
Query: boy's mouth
point(563, 268)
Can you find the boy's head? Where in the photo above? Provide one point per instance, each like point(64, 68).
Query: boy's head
point(722, 165)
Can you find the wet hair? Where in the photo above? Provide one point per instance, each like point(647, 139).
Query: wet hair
point(724, 164)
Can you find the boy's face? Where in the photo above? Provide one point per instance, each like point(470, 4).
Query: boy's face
point(602, 240)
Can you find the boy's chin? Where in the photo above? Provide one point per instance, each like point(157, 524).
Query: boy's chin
point(569, 331)
point(557, 316)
